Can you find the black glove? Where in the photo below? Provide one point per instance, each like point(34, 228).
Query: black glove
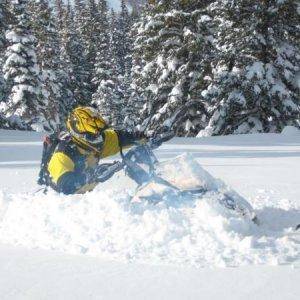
point(156, 141)
point(130, 138)
point(104, 171)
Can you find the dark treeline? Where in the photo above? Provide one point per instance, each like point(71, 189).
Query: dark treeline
point(215, 67)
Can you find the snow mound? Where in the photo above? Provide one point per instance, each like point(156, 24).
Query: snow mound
point(290, 131)
point(109, 225)
point(185, 173)
point(207, 132)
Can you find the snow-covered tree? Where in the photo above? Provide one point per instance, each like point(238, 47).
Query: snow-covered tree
point(3, 28)
point(171, 65)
point(74, 59)
point(121, 35)
point(108, 97)
point(83, 26)
point(81, 18)
point(52, 75)
point(136, 5)
point(97, 28)
point(104, 59)
point(59, 9)
point(257, 60)
point(25, 105)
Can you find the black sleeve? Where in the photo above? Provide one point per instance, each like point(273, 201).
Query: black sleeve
point(70, 182)
point(128, 138)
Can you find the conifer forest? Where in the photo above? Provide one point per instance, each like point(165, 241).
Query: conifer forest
point(209, 67)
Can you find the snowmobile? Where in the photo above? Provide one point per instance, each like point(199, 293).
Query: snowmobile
point(155, 185)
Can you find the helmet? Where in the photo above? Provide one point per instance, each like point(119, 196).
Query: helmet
point(85, 125)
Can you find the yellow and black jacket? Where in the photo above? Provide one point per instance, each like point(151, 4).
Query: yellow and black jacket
point(70, 164)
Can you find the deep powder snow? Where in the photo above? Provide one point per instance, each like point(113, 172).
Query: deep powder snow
point(107, 224)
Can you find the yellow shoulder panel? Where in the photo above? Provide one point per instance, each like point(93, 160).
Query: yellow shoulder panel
point(111, 143)
point(59, 164)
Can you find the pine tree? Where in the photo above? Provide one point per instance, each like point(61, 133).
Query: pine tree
point(258, 57)
point(104, 57)
point(53, 78)
point(93, 43)
point(136, 5)
point(74, 59)
point(60, 14)
point(64, 18)
point(81, 18)
point(137, 98)
point(25, 105)
point(122, 31)
point(3, 27)
point(83, 25)
point(171, 65)
point(108, 97)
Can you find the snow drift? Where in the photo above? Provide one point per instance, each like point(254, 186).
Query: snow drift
point(108, 224)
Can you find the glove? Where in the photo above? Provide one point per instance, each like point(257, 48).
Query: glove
point(156, 141)
point(131, 138)
point(139, 135)
point(105, 171)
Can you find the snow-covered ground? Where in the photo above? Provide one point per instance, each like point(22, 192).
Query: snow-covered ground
point(103, 246)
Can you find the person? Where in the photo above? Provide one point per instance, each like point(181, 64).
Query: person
point(74, 166)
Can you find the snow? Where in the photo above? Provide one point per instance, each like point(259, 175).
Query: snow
point(15, 38)
point(108, 225)
point(152, 24)
point(172, 64)
point(257, 69)
point(49, 275)
point(256, 126)
point(204, 18)
point(297, 78)
point(176, 93)
point(102, 245)
point(290, 131)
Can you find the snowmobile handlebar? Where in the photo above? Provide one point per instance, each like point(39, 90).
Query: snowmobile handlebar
point(132, 161)
point(142, 154)
point(160, 139)
point(153, 142)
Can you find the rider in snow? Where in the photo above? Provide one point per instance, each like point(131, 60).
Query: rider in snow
point(73, 167)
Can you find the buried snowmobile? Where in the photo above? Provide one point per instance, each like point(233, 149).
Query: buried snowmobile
point(157, 181)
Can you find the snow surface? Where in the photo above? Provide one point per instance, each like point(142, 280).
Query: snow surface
point(290, 130)
point(101, 245)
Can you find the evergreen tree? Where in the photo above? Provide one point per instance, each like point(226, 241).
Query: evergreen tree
point(71, 84)
point(52, 76)
point(82, 26)
point(136, 5)
point(24, 105)
point(171, 59)
point(137, 100)
point(258, 57)
point(108, 97)
point(73, 56)
point(97, 24)
point(3, 27)
point(59, 13)
point(122, 30)
point(3, 23)
point(105, 52)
